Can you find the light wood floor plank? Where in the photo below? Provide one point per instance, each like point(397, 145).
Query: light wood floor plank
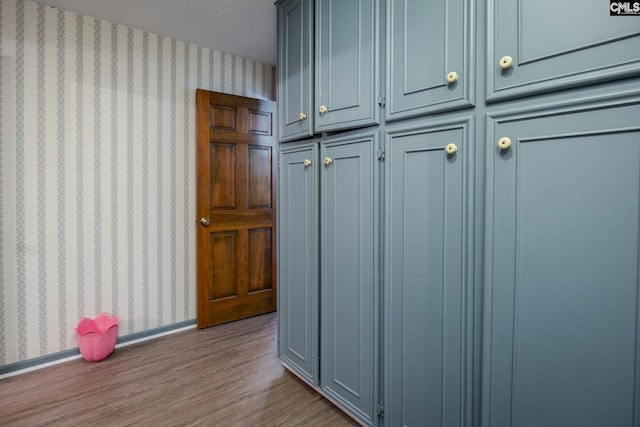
point(223, 376)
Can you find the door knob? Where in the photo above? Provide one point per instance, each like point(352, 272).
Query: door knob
point(328, 160)
point(205, 221)
point(452, 77)
point(302, 116)
point(506, 62)
point(451, 148)
point(323, 109)
point(504, 143)
point(307, 162)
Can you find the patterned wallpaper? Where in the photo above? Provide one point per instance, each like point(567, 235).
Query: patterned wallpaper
point(97, 178)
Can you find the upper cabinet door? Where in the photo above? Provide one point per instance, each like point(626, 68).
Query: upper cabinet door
point(295, 70)
point(538, 46)
point(431, 53)
point(346, 64)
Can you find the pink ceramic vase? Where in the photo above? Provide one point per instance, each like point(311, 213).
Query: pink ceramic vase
point(97, 337)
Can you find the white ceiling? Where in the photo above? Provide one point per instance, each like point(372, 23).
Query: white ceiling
point(246, 28)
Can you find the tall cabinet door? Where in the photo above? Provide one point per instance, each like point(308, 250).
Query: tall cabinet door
point(346, 64)
point(295, 69)
point(428, 298)
point(348, 296)
point(431, 56)
point(298, 266)
point(562, 331)
point(541, 45)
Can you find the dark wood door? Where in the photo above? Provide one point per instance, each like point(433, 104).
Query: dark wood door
point(236, 185)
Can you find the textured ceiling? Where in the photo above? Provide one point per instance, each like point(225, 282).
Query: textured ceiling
point(246, 28)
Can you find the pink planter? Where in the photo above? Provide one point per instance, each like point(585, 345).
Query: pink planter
point(97, 337)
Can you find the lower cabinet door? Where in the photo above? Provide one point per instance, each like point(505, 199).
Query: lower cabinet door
point(562, 326)
point(349, 360)
point(298, 290)
point(428, 294)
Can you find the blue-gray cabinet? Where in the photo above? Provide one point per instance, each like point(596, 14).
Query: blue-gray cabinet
point(431, 50)
point(298, 275)
point(349, 271)
point(536, 46)
point(347, 64)
point(428, 292)
point(328, 66)
point(562, 309)
point(481, 267)
point(295, 69)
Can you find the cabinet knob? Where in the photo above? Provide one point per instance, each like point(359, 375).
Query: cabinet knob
point(205, 221)
point(504, 143)
point(451, 148)
point(302, 116)
point(306, 162)
point(323, 109)
point(328, 160)
point(452, 77)
point(506, 62)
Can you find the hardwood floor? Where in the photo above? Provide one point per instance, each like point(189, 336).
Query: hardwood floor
point(223, 376)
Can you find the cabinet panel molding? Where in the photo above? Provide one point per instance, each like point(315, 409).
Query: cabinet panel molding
point(553, 46)
point(298, 275)
point(561, 331)
point(295, 69)
point(349, 254)
point(429, 282)
point(431, 56)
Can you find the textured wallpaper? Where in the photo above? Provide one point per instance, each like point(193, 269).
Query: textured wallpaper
point(97, 179)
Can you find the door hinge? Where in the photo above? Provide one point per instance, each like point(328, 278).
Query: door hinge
point(380, 409)
point(382, 101)
point(381, 154)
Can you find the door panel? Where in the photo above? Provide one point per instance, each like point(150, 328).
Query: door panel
point(428, 295)
point(428, 40)
point(348, 295)
point(555, 45)
point(346, 64)
point(299, 288)
point(260, 259)
point(562, 295)
point(223, 176)
point(235, 193)
point(260, 168)
point(223, 268)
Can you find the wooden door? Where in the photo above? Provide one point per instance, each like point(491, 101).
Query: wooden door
point(236, 184)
